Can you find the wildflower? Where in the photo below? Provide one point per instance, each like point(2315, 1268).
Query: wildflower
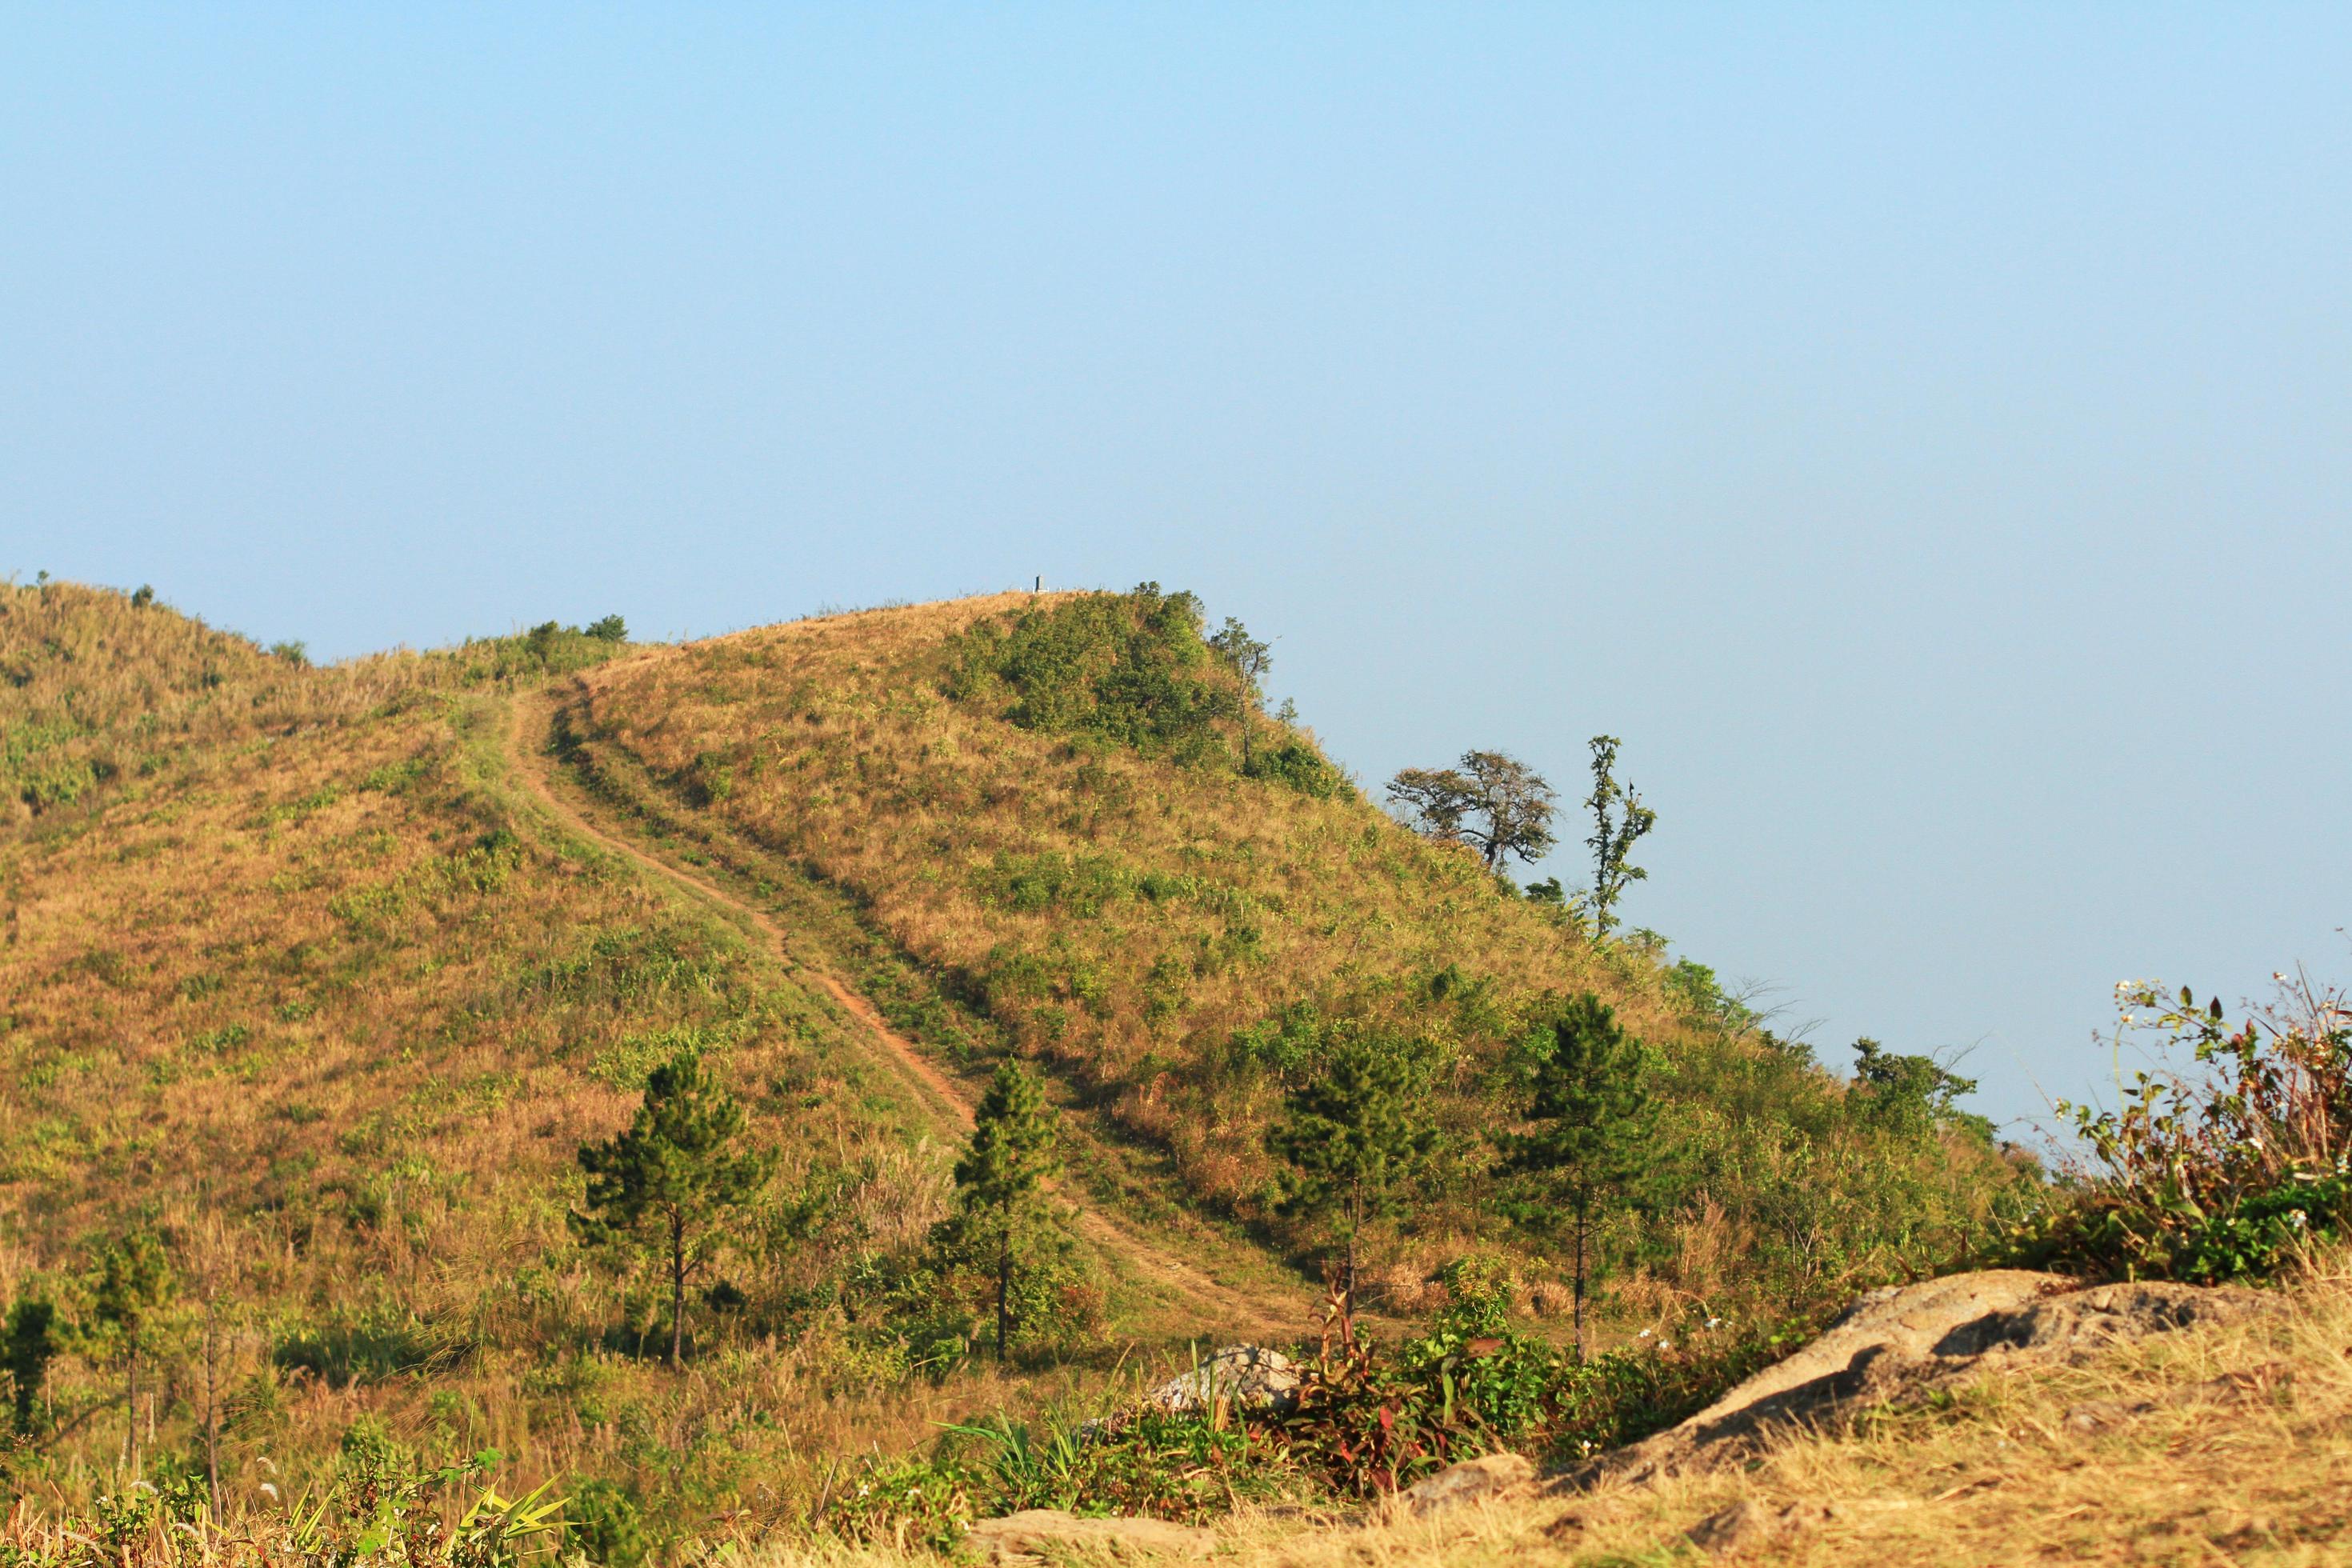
point(1643, 1335)
point(1715, 1322)
point(2296, 1218)
point(1666, 1344)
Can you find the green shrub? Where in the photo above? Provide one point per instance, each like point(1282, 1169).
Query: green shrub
point(2224, 1173)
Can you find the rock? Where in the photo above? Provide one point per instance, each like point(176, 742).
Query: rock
point(1246, 1377)
point(1034, 1530)
point(1750, 1522)
point(1490, 1476)
point(1903, 1344)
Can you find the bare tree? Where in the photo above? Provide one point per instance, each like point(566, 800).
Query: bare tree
point(1491, 801)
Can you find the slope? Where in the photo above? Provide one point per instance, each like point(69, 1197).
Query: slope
point(1060, 826)
point(1193, 1301)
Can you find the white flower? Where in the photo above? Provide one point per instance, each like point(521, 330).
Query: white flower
point(1715, 1322)
point(1643, 1335)
point(1666, 1344)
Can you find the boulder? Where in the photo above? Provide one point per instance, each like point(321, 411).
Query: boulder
point(1247, 1378)
point(1904, 1342)
point(1751, 1523)
point(1490, 1476)
point(1036, 1531)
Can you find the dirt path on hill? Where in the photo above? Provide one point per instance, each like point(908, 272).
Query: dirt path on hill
point(1222, 1310)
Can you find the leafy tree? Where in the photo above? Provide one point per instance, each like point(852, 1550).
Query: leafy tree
point(611, 628)
point(1620, 820)
point(672, 1172)
point(1589, 1126)
point(998, 1179)
point(1249, 659)
point(1911, 1094)
point(134, 1286)
point(1491, 801)
point(30, 1346)
point(1355, 1136)
point(144, 598)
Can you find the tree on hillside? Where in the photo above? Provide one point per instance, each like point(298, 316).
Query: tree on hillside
point(1588, 1122)
point(668, 1177)
point(1355, 1136)
point(1618, 821)
point(1249, 659)
point(134, 1286)
point(1913, 1095)
point(1491, 801)
point(31, 1343)
point(999, 1178)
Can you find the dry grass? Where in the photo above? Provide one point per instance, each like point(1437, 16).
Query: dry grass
point(1201, 902)
point(2245, 1457)
point(327, 986)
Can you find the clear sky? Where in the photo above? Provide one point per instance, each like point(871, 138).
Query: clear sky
point(1923, 434)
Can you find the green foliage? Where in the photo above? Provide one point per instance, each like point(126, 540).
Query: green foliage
point(30, 1345)
point(1294, 765)
point(2225, 1175)
point(144, 596)
point(1589, 1130)
point(672, 1172)
point(1130, 667)
point(295, 653)
point(1355, 1135)
point(997, 1181)
point(134, 1284)
point(1620, 821)
point(1911, 1094)
point(611, 628)
point(601, 1521)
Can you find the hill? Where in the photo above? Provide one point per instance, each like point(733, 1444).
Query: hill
point(317, 979)
point(1037, 813)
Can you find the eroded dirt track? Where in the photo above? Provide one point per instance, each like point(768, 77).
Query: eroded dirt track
point(1220, 1309)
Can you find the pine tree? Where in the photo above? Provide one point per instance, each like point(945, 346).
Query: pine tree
point(135, 1285)
point(31, 1344)
point(997, 1181)
point(1355, 1138)
point(672, 1173)
point(1589, 1118)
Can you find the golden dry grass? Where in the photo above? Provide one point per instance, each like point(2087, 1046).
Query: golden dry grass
point(1206, 902)
point(2243, 1457)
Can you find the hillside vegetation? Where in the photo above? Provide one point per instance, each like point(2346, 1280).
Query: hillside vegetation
point(1042, 804)
point(313, 993)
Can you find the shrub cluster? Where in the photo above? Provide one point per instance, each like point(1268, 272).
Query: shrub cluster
point(2226, 1171)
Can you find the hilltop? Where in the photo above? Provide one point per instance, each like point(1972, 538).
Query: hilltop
point(320, 976)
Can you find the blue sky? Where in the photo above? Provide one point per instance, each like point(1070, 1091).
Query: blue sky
point(1923, 434)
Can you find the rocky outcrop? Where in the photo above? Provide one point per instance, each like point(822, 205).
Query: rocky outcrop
point(1903, 1342)
point(1048, 1531)
point(1489, 1476)
point(1248, 1378)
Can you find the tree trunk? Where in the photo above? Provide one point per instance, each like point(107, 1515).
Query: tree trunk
point(1582, 1208)
point(1003, 1285)
point(677, 1289)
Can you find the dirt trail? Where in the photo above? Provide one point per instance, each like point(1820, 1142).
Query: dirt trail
point(1221, 1309)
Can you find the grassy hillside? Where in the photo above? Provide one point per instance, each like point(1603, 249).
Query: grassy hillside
point(312, 986)
point(296, 983)
point(1040, 805)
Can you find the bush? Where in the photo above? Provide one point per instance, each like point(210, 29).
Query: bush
point(2225, 1172)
